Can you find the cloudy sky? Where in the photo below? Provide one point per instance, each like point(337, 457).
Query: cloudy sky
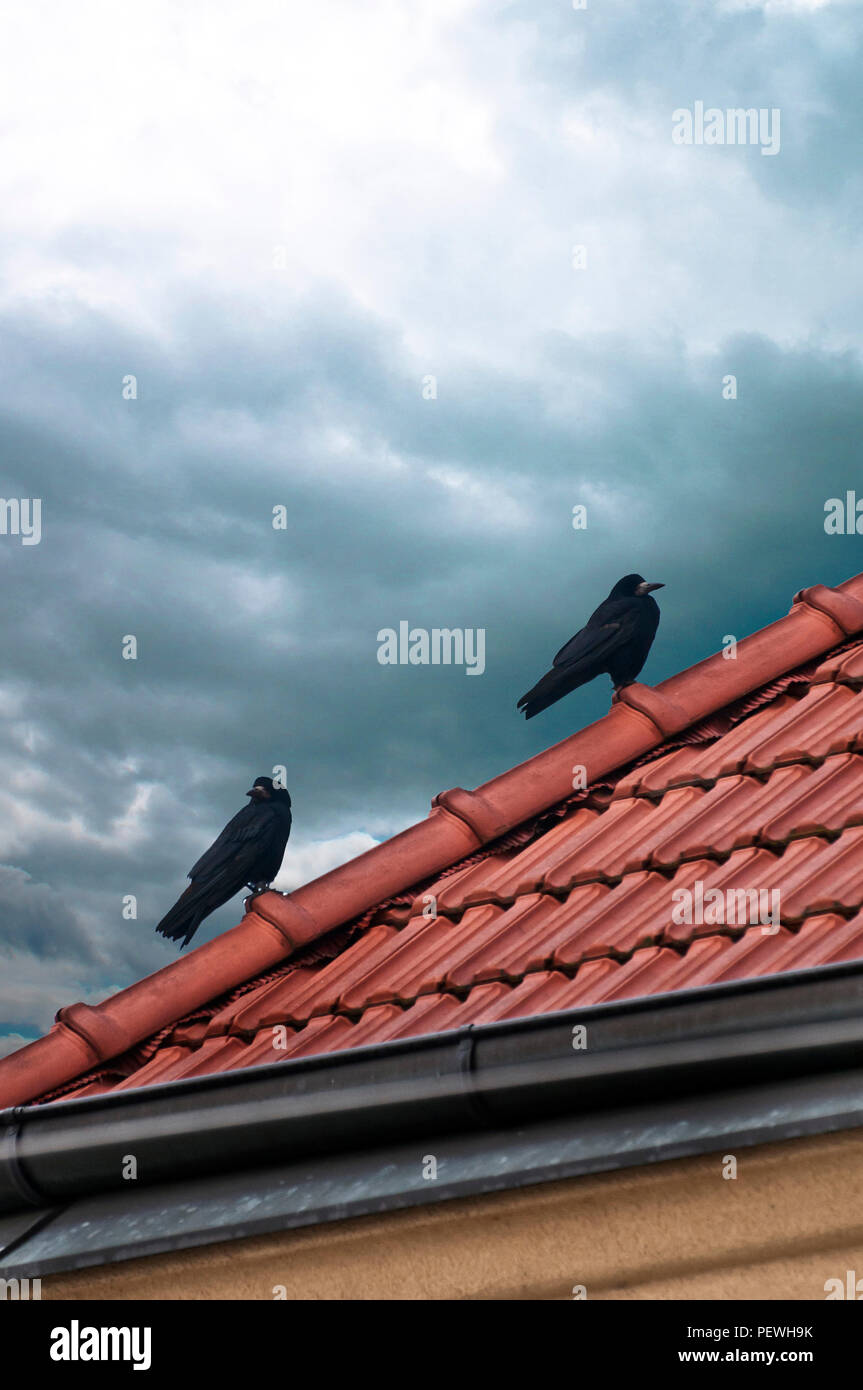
point(281, 219)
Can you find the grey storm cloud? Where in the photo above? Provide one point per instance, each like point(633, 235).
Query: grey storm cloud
point(36, 917)
point(258, 646)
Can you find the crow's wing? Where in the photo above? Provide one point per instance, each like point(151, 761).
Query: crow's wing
point(610, 627)
point(242, 842)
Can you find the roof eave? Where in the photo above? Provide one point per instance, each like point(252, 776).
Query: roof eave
point(502, 1105)
point(696, 1041)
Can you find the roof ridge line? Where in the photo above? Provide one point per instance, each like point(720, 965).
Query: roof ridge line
point(459, 823)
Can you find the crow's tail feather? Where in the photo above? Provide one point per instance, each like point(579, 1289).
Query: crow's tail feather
point(185, 916)
point(532, 707)
point(547, 691)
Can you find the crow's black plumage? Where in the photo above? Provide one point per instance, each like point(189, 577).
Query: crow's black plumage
point(248, 853)
point(615, 640)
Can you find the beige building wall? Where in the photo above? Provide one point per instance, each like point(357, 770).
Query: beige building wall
point(790, 1220)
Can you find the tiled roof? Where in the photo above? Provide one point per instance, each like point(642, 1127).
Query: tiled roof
point(744, 776)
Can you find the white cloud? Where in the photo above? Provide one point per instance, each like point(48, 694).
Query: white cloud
point(404, 153)
point(302, 863)
point(779, 7)
point(10, 1042)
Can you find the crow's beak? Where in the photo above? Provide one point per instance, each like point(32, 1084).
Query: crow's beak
point(646, 588)
point(252, 790)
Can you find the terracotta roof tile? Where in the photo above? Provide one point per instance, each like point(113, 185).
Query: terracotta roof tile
point(819, 941)
point(431, 1013)
point(159, 1066)
point(624, 918)
point(522, 939)
point(842, 667)
point(727, 755)
point(821, 802)
point(827, 720)
point(322, 1034)
point(819, 876)
point(418, 961)
point(277, 1001)
point(657, 969)
point(214, 1054)
point(524, 872)
point(681, 767)
point(451, 894)
point(377, 1024)
point(322, 990)
point(606, 850)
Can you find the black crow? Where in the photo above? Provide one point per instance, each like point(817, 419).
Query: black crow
point(616, 640)
point(248, 853)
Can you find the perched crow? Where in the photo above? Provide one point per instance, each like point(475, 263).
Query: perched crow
point(616, 639)
point(247, 853)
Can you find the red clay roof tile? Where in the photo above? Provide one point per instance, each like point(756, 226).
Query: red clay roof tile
point(451, 893)
point(417, 962)
point(271, 1003)
point(320, 993)
point(702, 766)
point(827, 720)
point(624, 918)
point(523, 873)
point(822, 802)
point(520, 941)
point(843, 667)
point(819, 876)
point(322, 1034)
